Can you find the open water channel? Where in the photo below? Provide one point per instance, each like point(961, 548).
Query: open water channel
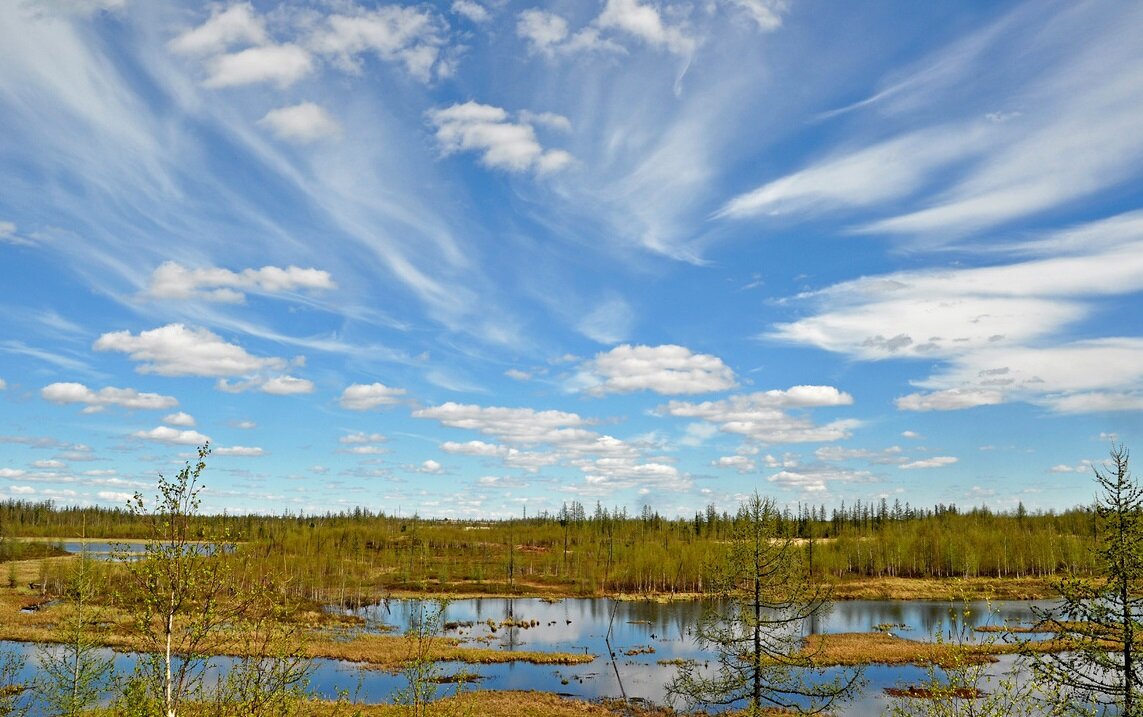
point(652, 632)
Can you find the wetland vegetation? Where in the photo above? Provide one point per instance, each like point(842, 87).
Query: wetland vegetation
point(272, 594)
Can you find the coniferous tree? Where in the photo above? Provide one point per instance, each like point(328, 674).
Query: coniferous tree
point(1099, 617)
point(755, 629)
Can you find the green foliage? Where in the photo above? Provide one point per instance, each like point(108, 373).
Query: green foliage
point(74, 674)
point(15, 696)
point(969, 687)
point(1100, 617)
point(422, 672)
point(767, 596)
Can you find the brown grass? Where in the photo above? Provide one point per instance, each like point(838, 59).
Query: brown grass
point(866, 648)
point(887, 588)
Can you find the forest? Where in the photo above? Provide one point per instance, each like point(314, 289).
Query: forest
point(355, 557)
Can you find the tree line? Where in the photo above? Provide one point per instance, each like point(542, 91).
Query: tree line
point(353, 556)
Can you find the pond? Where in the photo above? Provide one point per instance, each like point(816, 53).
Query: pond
point(642, 636)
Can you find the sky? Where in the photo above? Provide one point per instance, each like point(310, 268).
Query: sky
point(483, 258)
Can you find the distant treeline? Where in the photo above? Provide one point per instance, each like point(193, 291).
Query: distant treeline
point(356, 556)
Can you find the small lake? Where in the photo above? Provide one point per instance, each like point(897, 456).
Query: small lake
point(650, 631)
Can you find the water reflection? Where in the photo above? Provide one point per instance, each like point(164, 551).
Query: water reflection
point(645, 638)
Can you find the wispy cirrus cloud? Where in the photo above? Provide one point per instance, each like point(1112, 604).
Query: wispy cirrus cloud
point(981, 168)
point(1001, 332)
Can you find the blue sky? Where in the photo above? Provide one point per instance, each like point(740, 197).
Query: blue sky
point(466, 258)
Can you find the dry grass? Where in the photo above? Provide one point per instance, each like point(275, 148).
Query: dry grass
point(887, 588)
point(381, 651)
point(867, 648)
point(517, 704)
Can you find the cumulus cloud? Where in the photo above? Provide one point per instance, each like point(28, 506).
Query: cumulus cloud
point(65, 393)
point(607, 463)
point(240, 451)
point(666, 369)
point(173, 436)
point(411, 36)
point(765, 417)
point(178, 350)
point(351, 439)
point(515, 425)
point(430, 466)
point(302, 123)
point(934, 462)
point(951, 399)
point(286, 386)
point(282, 65)
point(817, 478)
point(742, 464)
point(235, 25)
point(366, 396)
point(490, 131)
point(172, 280)
point(645, 22)
point(181, 419)
point(114, 496)
point(473, 11)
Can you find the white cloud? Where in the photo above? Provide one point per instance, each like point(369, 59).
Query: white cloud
point(12, 473)
point(474, 11)
point(171, 280)
point(999, 331)
point(952, 399)
point(410, 36)
point(645, 22)
point(763, 416)
point(863, 177)
point(517, 374)
point(48, 465)
point(351, 439)
point(176, 350)
point(301, 123)
point(742, 464)
point(113, 496)
point(667, 369)
point(934, 462)
point(165, 434)
point(608, 323)
point(240, 451)
point(3, 384)
point(515, 425)
point(282, 65)
point(1074, 139)
point(911, 435)
point(181, 419)
point(286, 386)
point(766, 14)
point(542, 29)
point(430, 466)
point(246, 425)
point(488, 130)
point(235, 25)
point(65, 393)
point(8, 234)
point(817, 478)
point(363, 397)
